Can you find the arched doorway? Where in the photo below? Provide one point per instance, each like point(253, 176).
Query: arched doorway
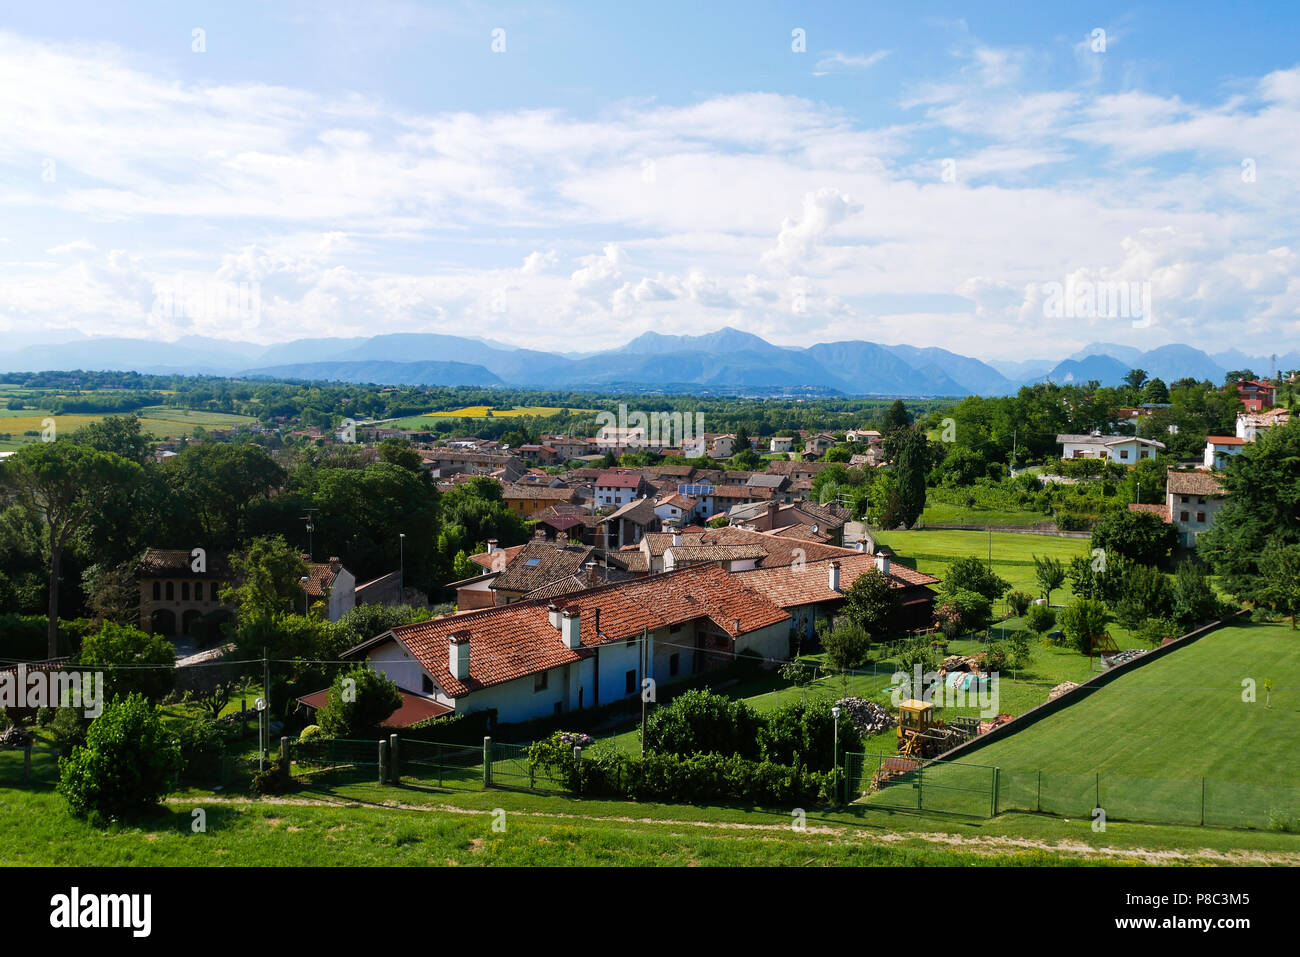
point(187, 620)
point(163, 622)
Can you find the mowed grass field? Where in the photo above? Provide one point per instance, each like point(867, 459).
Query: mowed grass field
point(1180, 717)
point(1013, 553)
point(481, 412)
point(159, 421)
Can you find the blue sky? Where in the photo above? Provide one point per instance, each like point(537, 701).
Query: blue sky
point(917, 173)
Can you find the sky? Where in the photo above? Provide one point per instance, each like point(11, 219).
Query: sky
point(561, 177)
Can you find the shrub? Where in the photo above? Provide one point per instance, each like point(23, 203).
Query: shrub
point(134, 662)
point(1019, 602)
point(698, 722)
point(1084, 622)
point(1040, 618)
point(995, 657)
point(68, 729)
point(359, 700)
point(1154, 631)
point(202, 745)
point(803, 734)
point(311, 731)
point(1019, 649)
point(127, 765)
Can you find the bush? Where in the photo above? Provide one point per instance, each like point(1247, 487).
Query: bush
point(1084, 622)
point(68, 729)
point(311, 731)
point(995, 658)
point(203, 745)
point(701, 722)
point(359, 700)
point(273, 780)
point(128, 763)
point(804, 735)
point(1019, 602)
point(1040, 618)
point(134, 662)
point(1019, 650)
point(1154, 631)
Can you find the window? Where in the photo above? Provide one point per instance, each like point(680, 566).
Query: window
point(631, 640)
point(1123, 453)
point(559, 707)
point(540, 680)
point(1182, 516)
point(673, 629)
point(171, 592)
point(157, 590)
point(185, 591)
point(1200, 516)
point(198, 591)
point(426, 684)
point(674, 665)
point(630, 682)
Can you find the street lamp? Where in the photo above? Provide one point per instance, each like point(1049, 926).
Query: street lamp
point(835, 748)
point(401, 579)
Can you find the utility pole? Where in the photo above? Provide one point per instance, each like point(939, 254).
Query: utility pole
point(266, 694)
point(401, 575)
point(645, 632)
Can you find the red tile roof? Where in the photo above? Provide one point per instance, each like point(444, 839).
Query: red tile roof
point(412, 710)
point(1161, 510)
point(614, 480)
point(512, 641)
point(793, 585)
point(1195, 483)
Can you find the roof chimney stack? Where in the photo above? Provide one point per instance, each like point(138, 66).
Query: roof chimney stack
point(571, 627)
point(677, 537)
point(835, 576)
point(458, 656)
point(553, 612)
point(882, 563)
point(492, 546)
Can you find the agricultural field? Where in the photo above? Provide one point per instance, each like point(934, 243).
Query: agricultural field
point(159, 421)
point(488, 411)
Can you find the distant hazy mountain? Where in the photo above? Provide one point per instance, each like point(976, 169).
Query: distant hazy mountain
point(725, 360)
point(384, 373)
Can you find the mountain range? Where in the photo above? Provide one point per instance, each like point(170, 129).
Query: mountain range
point(727, 360)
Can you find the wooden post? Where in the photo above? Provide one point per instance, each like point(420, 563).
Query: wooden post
point(383, 762)
point(1038, 800)
point(995, 793)
point(1202, 802)
point(487, 761)
point(27, 762)
point(284, 759)
point(395, 756)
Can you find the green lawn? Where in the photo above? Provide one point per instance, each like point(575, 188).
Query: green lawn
point(1172, 740)
point(1013, 553)
point(942, 513)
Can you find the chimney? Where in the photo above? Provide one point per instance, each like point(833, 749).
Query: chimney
point(882, 562)
point(492, 546)
point(571, 627)
point(562, 538)
point(677, 538)
point(835, 576)
point(458, 656)
point(553, 612)
point(592, 573)
point(334, 562)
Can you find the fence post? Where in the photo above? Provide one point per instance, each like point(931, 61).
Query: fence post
point(437, 757)
point(284, 759)
point(27, 762)
point(487, 761)
point(1202, 802)
point(1038, 798)
point(995, 792)
point(383, 762)
point(395, 760)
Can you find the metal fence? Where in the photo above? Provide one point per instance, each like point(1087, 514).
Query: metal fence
point(434, 764)
point(959, 787)
point(28, 765)
point(330, 762)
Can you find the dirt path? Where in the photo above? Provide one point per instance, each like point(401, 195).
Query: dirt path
point(986, 846)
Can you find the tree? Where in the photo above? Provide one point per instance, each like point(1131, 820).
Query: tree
point(1142, 537)
point(964, 610)
point(65, 484)
point(1194, 601)
point(112, 592)
point(126, 765)
point(1145, 593)
point(1050, 574)
point(1040, 618)
point(398, 452)
point(1281, 564)
point(267, 581)
point(1084, 623)
point(1155, 392)
point(358, 701)
point(214, 485)
point(872, 604)
point(909, 451)
point(896, 418)
point(134, 662)
point(973, 574)
point(1263, 504)
point(1134, 378)
point(846, 646)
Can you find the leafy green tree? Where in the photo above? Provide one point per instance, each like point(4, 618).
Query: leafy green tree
point(872, 605)
point(1156, 392)
point(358, 702)
point(1281, 564)
point(1263, 505)
point(1142, 537)
point(1194, 601)
point(133, 661)
point(267, 580)
point(973, 612)
point(909, 451)
point(974, 574)
point(66, 484)
point(846, 645)
point(127, 765)
point(1146, 593)
point(1050, 574)
point(1134, 378)
point(398, 452)
point(1084, 623)
point(1040, 618)
point(214, 485)
point(896, 418)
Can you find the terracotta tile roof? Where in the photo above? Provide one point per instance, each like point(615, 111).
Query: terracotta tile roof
point(780, 551)
point(1161, 510)
point(614, 480)
point(1195, 483)
point(1224, 440)
point(807, 584)
point(413, 709)
point(320, 576)
point(689, 554)
point(537, 492)
point(540, 563)
point(495, 563)
point(177, 563)
point(799, 531)
point(513, 641)
point(640, 511)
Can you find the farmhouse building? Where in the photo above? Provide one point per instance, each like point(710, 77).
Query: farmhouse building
point(177, 587)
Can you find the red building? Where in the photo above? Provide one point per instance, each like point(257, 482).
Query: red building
point(1255, 396)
